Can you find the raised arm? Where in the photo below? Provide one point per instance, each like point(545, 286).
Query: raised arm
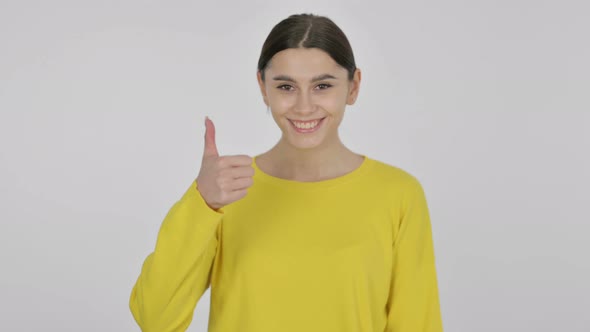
point(177, 273)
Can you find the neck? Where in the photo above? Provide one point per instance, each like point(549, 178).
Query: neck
point(310, 164)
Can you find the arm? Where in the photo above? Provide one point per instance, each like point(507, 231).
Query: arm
point(176, 274)
point(413, 304)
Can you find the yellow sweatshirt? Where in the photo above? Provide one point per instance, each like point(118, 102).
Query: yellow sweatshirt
point(349, 254)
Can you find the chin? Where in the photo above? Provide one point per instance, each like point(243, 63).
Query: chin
point(304, 143)
point(304, 146)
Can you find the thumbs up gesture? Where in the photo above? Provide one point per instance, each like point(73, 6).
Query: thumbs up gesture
point(222, 179)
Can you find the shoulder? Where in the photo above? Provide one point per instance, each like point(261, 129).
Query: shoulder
point(394, 176)
point(401, 188)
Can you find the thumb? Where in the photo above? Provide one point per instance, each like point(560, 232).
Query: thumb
point(210, 147)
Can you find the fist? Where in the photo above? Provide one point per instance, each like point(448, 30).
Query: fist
point(222, 179)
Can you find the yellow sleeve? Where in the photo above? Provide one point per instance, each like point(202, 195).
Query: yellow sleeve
point(176, 274)
point(413, 303)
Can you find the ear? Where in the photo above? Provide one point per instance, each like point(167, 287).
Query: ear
point(262, 87)
point(353, 87)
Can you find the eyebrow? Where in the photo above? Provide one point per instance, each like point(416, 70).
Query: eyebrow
point(314, 79)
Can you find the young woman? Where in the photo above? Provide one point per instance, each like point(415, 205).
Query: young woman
point(308, 236)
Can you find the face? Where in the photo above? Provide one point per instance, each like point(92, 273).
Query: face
point(307, 92)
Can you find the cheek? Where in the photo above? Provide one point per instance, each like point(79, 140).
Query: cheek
point(333, 103)
point(281, 103)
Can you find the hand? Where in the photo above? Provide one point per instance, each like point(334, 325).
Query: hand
point(222, 179)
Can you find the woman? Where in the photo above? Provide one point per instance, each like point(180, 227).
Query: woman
point(308, 236)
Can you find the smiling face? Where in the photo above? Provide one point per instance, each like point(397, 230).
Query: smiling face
point(307, 92)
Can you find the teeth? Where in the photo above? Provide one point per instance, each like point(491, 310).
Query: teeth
point(306, 125)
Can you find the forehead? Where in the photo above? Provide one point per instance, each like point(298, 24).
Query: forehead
point(304, 63)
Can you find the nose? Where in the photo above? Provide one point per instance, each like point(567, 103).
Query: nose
point(304, 103)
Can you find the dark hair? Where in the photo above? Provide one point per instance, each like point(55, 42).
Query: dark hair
point(308, 31)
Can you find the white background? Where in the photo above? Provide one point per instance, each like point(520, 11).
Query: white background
point(101, 131)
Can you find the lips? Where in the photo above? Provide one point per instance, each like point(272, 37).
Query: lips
point(308, 130)
point(307, 121)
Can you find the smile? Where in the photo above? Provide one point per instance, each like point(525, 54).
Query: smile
point(307, 126)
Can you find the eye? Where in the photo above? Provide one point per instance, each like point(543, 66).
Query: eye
point(284, 87)
point(325, 85)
